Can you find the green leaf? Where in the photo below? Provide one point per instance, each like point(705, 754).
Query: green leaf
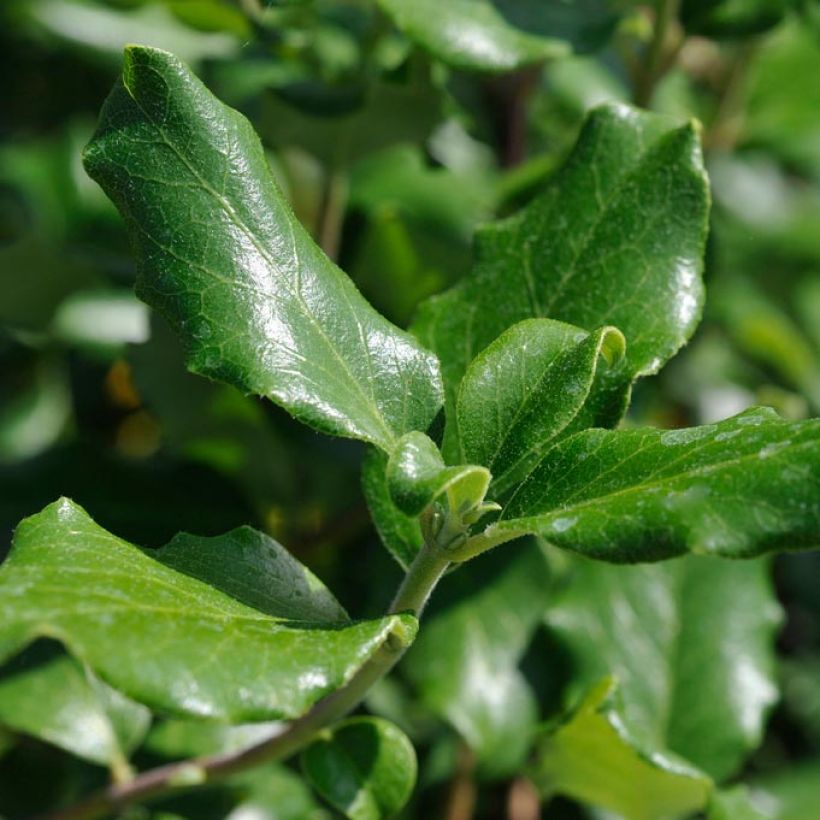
point(524, 390)
point(470, 34)
point(615, 238)
point(592, 757)
point(742, 487)
point(255, 570)
point(734, 803)
point(417, 476)
point(167, 639)
point(791, 794)
point(691, 644)
point(465, 663)
point(731, 18)
point(399, 532)
point(224, 259)
point(49, 695)
point(364, 767)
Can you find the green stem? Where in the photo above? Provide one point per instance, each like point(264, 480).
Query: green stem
point(652, 68)
point(425, 572)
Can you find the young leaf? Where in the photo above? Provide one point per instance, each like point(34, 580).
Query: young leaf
point(49, 695)
point(223, 258)
point(399, 532)
point(691, 643)
point(417, 475)
point(470, 34)
point(525, 389)
point(593, 758)
point(169, 640)
point(364, 767)
point(615, 238)
point(465, 664)
point(742, 487)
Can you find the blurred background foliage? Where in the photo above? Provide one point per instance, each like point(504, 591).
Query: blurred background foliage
point(392, 147)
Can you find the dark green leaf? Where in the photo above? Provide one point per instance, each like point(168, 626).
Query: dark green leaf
point(465, 664)
point(524, 390)
point(593, 758)
point(166, 639)
point(49, 695)
point(615, 238)
point(222, 256)
point(691, 643)
point(470, 34)
point(731, 18)
point(364, 767)
point(252, 568)
point(742, 487)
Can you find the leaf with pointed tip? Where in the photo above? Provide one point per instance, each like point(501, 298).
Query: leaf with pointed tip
point(167, 639)
point(470, 34)
point(417, 476)
point(615, 238)
point(592, 757)
point(525, 389)
point(222, 257)
point(696, 676)
point(399, 532)
point(465, 665)
point(364, 767)
point(47, 694)
point(742, 487)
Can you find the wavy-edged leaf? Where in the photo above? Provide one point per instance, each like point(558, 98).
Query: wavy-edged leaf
point(222, 257)
point(364, 767)
point(691, 643)
point(592, 757)
point(742, 487)
point(166, 639)
point(525, 389)
point(465, 662)
point(399, 532)
point(47, 694)
point(471, 34)
point(615, 238)
point(417, 475)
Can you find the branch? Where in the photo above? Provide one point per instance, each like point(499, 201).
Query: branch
point(424, 573)
point(655, 65)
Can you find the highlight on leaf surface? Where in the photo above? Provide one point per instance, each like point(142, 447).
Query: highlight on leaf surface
point(222, 256)
point(168, 639)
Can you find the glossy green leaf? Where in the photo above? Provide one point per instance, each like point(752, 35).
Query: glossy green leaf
point(691, 643)
point(49, 695)
point(364, 767)
point(525, 389)
point(615, 238)
point(167, 639)
point(178, 739)
point(470, 34)
point(592, 757)
point(399, 532)
point(224, 259)
point(417, 475)
point(742, 487)
point(465, 663)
